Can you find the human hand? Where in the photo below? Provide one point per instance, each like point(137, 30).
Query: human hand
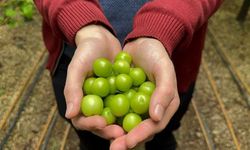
point(150, 54)
point(92, 41)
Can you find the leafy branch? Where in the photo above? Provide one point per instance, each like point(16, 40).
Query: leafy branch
point(14, 12)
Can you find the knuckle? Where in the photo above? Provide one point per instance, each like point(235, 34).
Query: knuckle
point(75, 124)
point(162, 126)
point(170, 93)
point(66, 91)
point(177, 102)
point(70, 66)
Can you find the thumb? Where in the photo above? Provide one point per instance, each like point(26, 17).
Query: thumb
point(73, 88)
point(164, 92)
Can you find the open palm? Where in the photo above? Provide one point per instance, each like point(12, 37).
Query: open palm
point(93, 41)
point(151, 55)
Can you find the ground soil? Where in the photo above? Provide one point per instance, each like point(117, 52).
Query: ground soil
point(21, 47)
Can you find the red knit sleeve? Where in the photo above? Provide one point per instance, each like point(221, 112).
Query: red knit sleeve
point(66, 17)
point(173, 22)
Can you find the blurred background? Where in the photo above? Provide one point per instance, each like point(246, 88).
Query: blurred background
point(218, 117)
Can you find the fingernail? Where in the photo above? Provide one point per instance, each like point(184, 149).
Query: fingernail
point(69, 109)
point(159, 112)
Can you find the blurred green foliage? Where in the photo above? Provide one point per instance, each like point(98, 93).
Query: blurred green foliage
point(15, 12)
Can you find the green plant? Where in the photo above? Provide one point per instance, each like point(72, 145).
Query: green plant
point(15, 12)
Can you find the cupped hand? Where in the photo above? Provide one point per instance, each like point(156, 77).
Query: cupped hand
point(92, 41)
point(150, 54)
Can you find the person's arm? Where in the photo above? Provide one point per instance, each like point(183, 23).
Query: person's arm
point(66, 17)
point(159, 27)
point(172, 22)
point(82, 22)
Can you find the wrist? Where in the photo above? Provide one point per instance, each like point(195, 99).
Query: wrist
point(91, 31)
point(142, 40)
point(145, 42)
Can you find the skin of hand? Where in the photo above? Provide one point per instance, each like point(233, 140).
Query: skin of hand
point(92, 41)
point(150, 54)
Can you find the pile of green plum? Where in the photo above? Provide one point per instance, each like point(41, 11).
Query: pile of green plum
point(118, 92)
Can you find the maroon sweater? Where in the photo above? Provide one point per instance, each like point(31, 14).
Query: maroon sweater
point(179, 24)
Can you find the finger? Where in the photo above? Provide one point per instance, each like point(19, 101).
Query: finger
point(141, 132)
point(73, 88)
point(110, 132)
point(165, 89)
point(148, 128)
point(119, 144)
point(80, 67)
point(89, 123)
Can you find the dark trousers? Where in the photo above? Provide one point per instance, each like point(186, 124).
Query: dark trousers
point(88, 141)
